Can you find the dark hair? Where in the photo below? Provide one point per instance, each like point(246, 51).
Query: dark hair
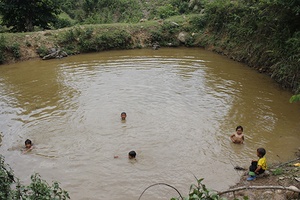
point(239, 127)
point(123, 113)
point(28, 141)
point(261, 152)
point(132, 154)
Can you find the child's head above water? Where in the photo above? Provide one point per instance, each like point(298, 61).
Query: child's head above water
point(131, 154)
point(28, 144)
point(123, 115)
point(261, 152)
point(239, 130)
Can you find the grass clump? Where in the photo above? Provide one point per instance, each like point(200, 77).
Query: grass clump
point(2, 49)
point(92, 38)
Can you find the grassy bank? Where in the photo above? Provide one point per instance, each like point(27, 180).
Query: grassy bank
point(263, 35)
point(16, 47)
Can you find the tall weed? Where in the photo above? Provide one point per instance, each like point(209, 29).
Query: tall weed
point(2, 48)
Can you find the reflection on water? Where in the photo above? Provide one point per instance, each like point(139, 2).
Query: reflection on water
point(182, 106)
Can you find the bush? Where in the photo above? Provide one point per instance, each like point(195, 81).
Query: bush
point(198, 22)
point(113, 39)
point(2, 49)
point(277, 171)
point(91, 39)
point(61, 23)
point(10, 187)
point(15, 48)
point(200, 192)
point(156, 35)
point(40, 189)
point(197, 192)
point(42, 51)
point(181, 5)
point(166, 11)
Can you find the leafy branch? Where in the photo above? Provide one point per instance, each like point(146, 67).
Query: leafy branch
point(295, 98)
point(11, 188)
point(197, 192)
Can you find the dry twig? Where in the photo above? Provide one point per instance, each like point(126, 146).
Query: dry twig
point(294, 189)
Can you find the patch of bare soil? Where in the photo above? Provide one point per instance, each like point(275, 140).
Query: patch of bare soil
point(30, 43)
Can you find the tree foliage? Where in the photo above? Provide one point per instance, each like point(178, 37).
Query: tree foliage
point(23, 15)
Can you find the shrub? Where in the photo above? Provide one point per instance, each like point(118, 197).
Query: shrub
point(2, 49)
point(113, 39)
point(181, 5)
point(61, 23)
point(278, 171)
point(68, 36)
point(166, 11)
point(15, 48)
point(27, 43)
point(156, 35)
point(40, 189)
point(10, 187)
point(42, 51)
point(197, 192)
point(198, 22)
point(200, 192)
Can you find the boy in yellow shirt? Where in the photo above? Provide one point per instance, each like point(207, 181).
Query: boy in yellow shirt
point(259, 166)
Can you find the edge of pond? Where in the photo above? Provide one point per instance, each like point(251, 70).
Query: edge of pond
point(174, 32)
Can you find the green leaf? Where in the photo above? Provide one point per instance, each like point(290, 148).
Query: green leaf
point(295, 98)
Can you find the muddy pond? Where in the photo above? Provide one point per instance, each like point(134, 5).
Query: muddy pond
point(182, 105)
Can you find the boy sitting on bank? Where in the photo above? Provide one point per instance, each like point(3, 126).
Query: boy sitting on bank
point(259, 166)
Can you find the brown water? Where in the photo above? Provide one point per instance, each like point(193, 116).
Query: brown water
point(182, 106)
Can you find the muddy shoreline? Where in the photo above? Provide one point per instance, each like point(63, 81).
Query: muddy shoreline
point(278, 174)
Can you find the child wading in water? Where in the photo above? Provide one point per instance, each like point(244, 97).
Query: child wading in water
point(28, 146)
point(258, 167)
point(123, 116)
point(238, 136)
point(131, 155)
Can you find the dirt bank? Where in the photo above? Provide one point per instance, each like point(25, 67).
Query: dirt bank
point(282, 175)
point(78, 39)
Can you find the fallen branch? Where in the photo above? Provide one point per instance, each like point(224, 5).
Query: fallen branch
point(290, 188)
point(288, 162)
point(161, 184)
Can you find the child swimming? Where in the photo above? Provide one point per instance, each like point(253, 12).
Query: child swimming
point(123, 115)
point(131, 155)
point(28, 146)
